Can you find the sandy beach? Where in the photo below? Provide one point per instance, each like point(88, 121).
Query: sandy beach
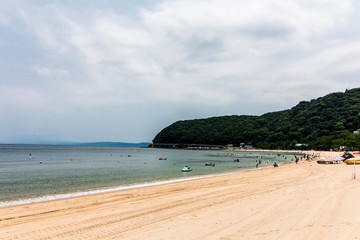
point(294, 201)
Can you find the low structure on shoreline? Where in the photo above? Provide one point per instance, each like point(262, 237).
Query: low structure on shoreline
point(188, 146)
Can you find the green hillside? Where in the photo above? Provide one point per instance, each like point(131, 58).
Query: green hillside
point(323, 123)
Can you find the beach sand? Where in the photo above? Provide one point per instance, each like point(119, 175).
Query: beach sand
point(294, 201)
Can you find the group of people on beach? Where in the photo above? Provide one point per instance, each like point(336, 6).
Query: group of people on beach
point(296, 158)
point(259, 162)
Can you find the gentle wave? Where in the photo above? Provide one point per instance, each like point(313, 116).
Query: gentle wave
point(92, 192)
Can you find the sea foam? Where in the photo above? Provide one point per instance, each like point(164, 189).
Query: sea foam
point(97, 191)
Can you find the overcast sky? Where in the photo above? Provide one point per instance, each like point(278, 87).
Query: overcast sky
point(122, 70)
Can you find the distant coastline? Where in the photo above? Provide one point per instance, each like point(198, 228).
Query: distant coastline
point(102, 144)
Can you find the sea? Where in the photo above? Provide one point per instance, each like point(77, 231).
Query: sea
point(35, 173)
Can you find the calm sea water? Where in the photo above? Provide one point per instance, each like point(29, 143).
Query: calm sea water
point(30, 173)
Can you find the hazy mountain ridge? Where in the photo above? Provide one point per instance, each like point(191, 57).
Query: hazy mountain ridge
point(64, 143)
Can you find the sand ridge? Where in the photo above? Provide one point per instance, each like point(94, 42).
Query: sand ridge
point(294, 201)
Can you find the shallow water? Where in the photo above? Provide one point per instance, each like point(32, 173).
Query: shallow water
point(44, 172)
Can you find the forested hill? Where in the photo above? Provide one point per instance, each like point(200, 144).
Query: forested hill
point(322, 123)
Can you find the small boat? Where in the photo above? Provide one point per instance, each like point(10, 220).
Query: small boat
point(210, 164)
point(351, 160)
point(186, 169)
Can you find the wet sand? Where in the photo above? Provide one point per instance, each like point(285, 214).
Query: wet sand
point(294, 201)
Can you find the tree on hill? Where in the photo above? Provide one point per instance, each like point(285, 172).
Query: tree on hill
point(323, 123)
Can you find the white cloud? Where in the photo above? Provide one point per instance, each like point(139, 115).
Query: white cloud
point(208, 54)
point(327, 64)
point(3, 19)
point(50, 71)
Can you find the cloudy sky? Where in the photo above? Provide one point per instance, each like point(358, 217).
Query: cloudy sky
point(122, 70)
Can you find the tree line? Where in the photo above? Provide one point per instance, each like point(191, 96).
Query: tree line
point(324, 123)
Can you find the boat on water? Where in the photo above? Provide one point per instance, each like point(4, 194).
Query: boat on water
point(210, 164)
point(186, 169)
point(351, 160)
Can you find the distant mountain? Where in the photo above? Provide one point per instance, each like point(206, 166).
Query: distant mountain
point(117, 144)
point(323, 123)
point(109, 144)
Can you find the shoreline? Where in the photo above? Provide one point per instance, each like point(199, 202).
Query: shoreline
point(65, 195)
point(307, 199)
point(60, 196)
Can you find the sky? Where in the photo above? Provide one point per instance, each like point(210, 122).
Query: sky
point(122, 70)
